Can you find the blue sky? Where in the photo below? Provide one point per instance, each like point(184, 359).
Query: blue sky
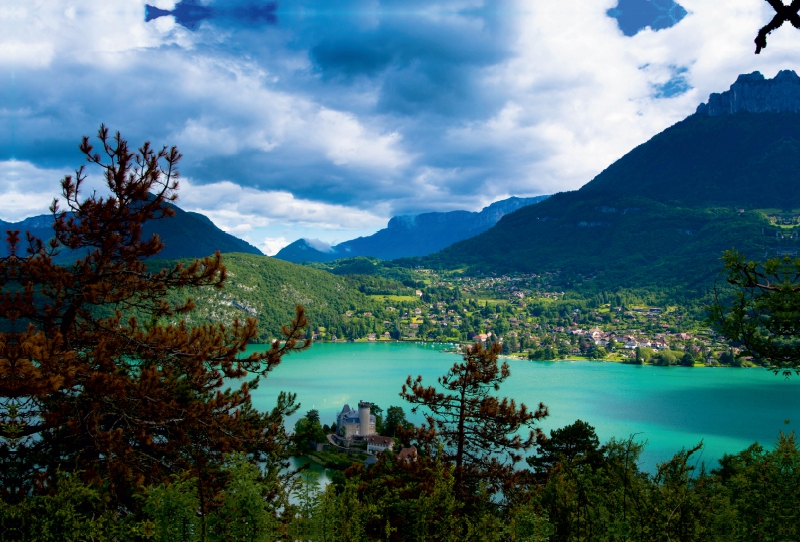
point(324, 119)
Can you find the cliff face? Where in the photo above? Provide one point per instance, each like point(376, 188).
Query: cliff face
point(463, 220)
point(756, 94)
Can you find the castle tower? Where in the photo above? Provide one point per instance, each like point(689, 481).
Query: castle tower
point(364, 418)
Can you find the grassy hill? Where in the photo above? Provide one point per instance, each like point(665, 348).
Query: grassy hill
point(663, 213)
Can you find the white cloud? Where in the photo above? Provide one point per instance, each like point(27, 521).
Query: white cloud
point(320, 245)
point(26, 190)
point(347, 142)
point(236, 208)
point(272, 245)
point(580, 94)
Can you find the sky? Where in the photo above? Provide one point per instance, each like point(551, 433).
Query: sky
point(323, 119)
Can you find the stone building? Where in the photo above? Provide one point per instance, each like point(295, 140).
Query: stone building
point(356, 423)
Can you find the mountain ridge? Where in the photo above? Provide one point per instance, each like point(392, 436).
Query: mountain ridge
point(185, 235)
point(663, 213)
point(410, 235)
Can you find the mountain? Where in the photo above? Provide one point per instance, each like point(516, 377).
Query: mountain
point(664, 212)
point(410, 235)
point(185, 235)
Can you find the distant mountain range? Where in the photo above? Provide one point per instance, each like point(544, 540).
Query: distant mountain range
point(185, 235)
point(664, 212)
point(410, 235)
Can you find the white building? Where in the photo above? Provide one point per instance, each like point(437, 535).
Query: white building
point(377, 444)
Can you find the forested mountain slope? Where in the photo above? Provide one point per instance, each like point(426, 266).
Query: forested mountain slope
point(269, 289)
point(664, 212)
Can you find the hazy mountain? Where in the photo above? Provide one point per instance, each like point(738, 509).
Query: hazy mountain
point(665, 211)
point(409, 235)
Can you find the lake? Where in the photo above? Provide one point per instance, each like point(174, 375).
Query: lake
point(669, 407)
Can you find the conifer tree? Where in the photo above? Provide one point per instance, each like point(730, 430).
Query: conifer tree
point(94, 376)
point(763, 315)
point(480, 432)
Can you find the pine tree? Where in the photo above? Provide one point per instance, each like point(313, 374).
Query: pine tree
point(94, 376)
point(480, 432)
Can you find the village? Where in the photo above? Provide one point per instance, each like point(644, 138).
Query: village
point(539, 317)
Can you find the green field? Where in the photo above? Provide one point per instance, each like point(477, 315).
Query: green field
point(405, 298)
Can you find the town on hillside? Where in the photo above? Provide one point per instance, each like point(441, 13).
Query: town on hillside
point(535, 316)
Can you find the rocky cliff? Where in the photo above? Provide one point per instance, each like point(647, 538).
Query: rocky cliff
point(756, 94)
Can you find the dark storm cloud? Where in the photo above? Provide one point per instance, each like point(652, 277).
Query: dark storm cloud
point(421, 57)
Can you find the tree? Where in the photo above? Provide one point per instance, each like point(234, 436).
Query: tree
point(94, 376)
point(313, 415)
point(480, 432)
point(763, 314)
point(575, 443)
point(396, 417)
point(378, 413)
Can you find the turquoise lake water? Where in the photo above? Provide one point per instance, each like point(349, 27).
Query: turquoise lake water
point(669, 407)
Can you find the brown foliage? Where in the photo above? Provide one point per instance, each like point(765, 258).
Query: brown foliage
point(480, 432)
point(92, 379)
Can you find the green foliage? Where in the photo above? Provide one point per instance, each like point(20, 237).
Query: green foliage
point(172, 508)
point(396, 417)
point(763, 313)
point(583, 492)
point(71, 511)
point(576, 444)
point(306, 431)
point(245, 513)
point(667, 357)
point(268, 289)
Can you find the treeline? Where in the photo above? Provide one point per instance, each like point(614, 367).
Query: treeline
point(581, 492)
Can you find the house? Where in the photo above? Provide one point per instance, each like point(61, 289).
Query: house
point(377, 444)
point(371, 337)
point(387, 335)
point(418, 293)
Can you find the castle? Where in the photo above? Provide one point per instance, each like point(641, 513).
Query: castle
point(356, 423)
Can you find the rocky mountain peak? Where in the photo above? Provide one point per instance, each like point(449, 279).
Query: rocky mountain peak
point(754, 93)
